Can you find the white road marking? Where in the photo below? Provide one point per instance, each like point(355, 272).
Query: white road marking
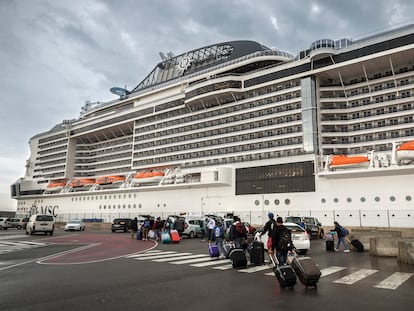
point(225, 267)
point(180, 257)
point(330, 270)
point(182, 262)
point(394, 280)
point(356, 276)
point(210, 263)
point(147, 254)
point(255, 269)
point(157, 256)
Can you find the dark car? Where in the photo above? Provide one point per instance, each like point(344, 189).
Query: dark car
point(121, 224)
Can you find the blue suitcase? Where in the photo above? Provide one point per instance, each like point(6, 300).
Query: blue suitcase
point(213, 250)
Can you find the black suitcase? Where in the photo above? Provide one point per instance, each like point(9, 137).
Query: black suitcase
point(285, 274)
point(330, 246)
point(227, 249)
point(257, 253)
point(358, 245)
point(306, 270)
point(238, 258)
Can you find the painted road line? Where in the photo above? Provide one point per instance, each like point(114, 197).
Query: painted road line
point(255, 269)
point(356, 276)
point(330, 270)
point(157, 256)
point(225, 267)
point(182, 262)
point(180, 257)
point(394, 280)
point(210, 263)
point(146, 254)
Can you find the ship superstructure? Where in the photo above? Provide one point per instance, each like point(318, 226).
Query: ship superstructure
point(237, 127)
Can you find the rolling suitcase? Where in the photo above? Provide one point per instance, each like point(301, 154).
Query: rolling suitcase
point(165, 237)
point(213, 250)
point(330, 246)
point(284, 273)
point(358, 245)
point(227, 248)
point(175, 237)
point(306, 270)
point(257, 253)
point(238, 258)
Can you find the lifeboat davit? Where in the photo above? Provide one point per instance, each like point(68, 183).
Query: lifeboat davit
point(148, 177)
point(406, 151)
point(344, 161)
point(108, 180)
point(57, 184)
point(77, 183)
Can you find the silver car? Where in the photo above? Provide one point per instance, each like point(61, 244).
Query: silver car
point(300, 237)
point(75, 225)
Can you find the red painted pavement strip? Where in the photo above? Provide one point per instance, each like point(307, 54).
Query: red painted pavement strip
point(103, 247)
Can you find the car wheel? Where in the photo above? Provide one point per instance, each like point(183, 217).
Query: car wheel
point(51, 232)
point(192, 235)
point(113, 231)
point(19, 227)
point(31, 231)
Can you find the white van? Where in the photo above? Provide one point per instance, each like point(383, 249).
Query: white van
point(40, 223)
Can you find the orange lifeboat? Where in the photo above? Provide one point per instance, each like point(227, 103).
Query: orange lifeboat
point(56, 185)
point(406, 151)
point(147, 177)
point(82, 182)
point(344, 161)
point(106, 180)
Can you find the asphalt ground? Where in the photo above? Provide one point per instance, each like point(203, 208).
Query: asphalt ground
point(97, 270)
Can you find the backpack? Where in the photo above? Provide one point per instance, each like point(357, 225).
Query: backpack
point(218, 232)
point(344, 231)
point(241, 229)
point(285, 242)
point(146, 223)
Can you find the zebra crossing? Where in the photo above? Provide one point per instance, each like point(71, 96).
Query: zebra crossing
point(12, 246)
point(391, 282)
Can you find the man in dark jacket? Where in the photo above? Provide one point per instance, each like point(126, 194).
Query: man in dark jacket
point(238, 232)
point(134, 227)
point(281, 241)
point(269, 226)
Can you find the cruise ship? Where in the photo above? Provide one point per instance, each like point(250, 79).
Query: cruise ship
point(240, 128)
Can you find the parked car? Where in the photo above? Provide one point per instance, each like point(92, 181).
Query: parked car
point(192, 228)
point(314, 227)
point(296, 219)
point(123, 224)
point(18, 223)
point(75, 225)
point(4, 223)
point(300, 237)
point(40, 223)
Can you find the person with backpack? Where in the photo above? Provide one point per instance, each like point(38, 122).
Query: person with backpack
point(134, 227)
point(281, 241)
point(211, 224)
point(269, 226)
point(341, 233)
point(238, 233)
point(218, 237)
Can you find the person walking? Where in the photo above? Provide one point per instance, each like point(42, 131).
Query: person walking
point(238, 232)
point(269, 226)
point(218, 237)
point(210, 228)
point(134, 227)
point(202, 230)
point(281, 241)
point(341, 233)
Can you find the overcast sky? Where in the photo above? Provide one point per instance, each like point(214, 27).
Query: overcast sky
point(56, 54)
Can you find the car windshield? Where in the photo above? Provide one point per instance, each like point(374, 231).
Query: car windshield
point(44, 218)
point(75, 221)
point(295, 229)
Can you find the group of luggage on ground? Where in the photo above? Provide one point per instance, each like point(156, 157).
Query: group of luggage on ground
point(287, 265)
point(157, 229)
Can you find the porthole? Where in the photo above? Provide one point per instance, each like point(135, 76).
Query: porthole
point(323, 201)
point(110, 197)
point(257, 202)
point(335, 200)
point(139, 206)
point(392, 198)
point(377, 199)
point(408, 198)
point(349, 200)
point(135, 206)
point(135, 195)
point(363, 199)
point(129, 195)
point(277, 202)
point(266, 202)
point(129, 205)
point(287, 201)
